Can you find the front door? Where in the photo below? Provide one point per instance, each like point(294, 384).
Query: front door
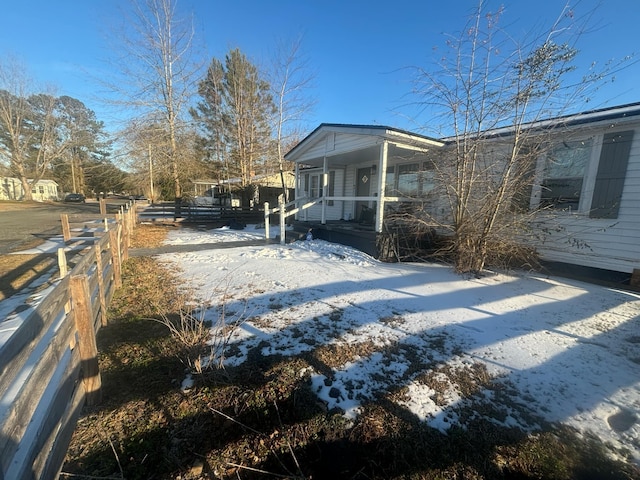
point(363, 189)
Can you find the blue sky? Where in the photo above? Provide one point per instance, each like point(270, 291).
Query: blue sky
point(360, 50)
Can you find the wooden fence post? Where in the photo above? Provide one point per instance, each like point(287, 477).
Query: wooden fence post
point(66, 231)
point(62, 263)
point(266, 220)
point(128, 233)
point(132, 215)
point(103, 206)
point(83, 315)
point(124, 235)
point(114, 244)
point(101, 294)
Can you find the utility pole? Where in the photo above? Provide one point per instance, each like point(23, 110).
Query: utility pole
point(73, 175)
point(151, 194)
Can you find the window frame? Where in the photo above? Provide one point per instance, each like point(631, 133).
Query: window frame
point(577, 202)
point(425, 176)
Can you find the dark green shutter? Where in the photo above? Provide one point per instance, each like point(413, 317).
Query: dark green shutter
point(612, 170)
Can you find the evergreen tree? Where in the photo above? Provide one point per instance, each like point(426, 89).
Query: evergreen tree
point(234, 116)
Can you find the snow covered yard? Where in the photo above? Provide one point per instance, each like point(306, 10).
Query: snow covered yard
point(520, 348)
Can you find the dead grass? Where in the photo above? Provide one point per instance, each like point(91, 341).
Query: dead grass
point(262, 420)
point(7, 205)
point(18, 271)
point(337, 355)
point(149, 236)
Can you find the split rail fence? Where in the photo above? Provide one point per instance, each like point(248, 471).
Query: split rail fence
point(49, 358)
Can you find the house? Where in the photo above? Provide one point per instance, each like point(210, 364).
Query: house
point(263, 188)
point(587, 177)
point(41, 191)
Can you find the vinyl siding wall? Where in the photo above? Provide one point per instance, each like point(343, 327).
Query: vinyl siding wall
point(337, 142)
point(606, 243)
point(332, 212)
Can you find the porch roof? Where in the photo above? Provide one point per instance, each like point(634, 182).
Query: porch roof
point(348, 144)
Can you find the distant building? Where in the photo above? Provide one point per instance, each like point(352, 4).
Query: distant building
point(41, 191)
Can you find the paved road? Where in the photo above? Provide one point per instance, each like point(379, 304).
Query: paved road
point(22, 225)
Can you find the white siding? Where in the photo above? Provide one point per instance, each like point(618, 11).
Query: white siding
point(335, 211)
point(611, 244)
point(350, 191)
point(332, 212)
point(350, 143)
point(11, 189)
point(335, 143)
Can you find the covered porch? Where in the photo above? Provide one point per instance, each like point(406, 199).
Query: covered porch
point(349, 177)
point(353, 173)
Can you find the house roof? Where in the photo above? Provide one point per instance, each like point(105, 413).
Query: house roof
point(619, 112)
point(616, 113)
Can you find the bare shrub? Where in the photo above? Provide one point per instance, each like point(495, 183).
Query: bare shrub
point(191, 330)
point(204, 342)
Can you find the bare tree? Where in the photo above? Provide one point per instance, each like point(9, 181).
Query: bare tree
point(29, 125)
point(291, 80)
point(147, 150)
point(158, 73)
point(492, 88)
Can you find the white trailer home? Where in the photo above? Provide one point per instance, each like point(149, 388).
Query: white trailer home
point(41, 191)
point(587, 177)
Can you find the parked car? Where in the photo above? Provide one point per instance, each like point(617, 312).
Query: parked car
point(75, 197)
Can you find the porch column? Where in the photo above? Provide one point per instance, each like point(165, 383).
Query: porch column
point(325, 177)
point(382, 174)
point(296, 185)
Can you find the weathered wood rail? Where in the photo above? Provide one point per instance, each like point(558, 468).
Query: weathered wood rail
point(49, 357)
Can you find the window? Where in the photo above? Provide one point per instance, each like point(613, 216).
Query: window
point(411, 180)
point(564, 172)
point(390, 181)
point(313, 185)
point(427, 178)
point(332, 187)
point(314, 189)
point(408, 179)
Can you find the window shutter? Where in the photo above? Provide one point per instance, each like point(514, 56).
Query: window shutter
point(612, 170)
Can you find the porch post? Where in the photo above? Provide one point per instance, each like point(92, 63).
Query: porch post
point(325, 176)
point(382, 174)
point(296, 186)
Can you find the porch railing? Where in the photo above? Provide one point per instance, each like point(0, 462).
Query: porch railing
point(307, 202)
point(281, 209)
